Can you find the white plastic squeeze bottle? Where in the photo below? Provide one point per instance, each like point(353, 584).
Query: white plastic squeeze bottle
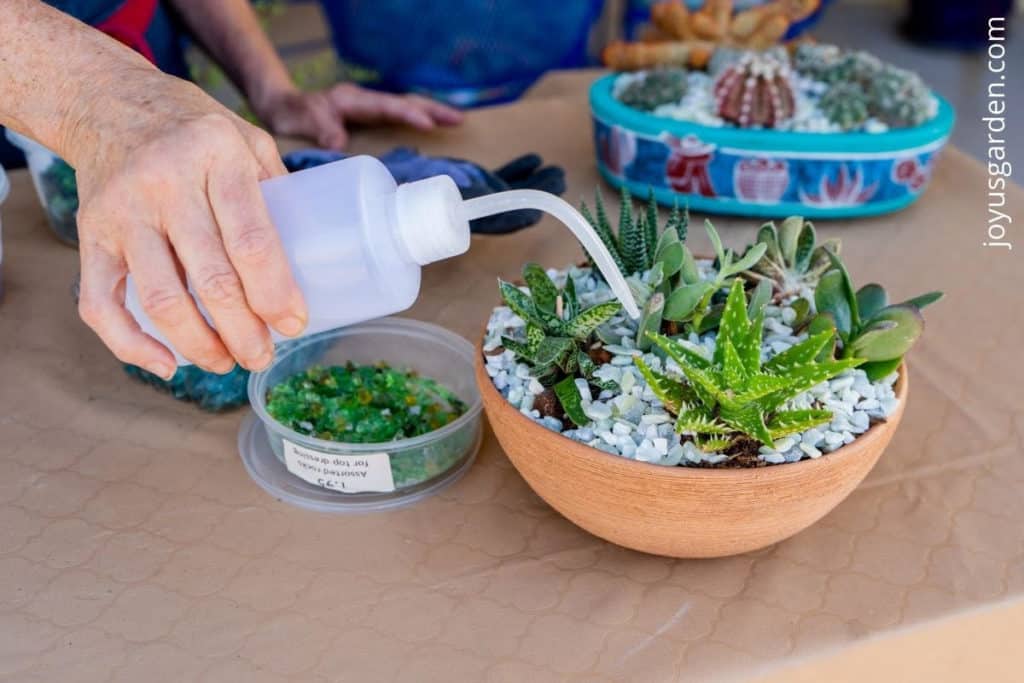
point(356, 240)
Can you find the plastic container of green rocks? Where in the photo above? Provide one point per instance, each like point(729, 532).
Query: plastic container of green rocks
point(55, 185)
point(335, 476)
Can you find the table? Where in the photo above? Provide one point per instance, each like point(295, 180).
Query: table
point(133, 545)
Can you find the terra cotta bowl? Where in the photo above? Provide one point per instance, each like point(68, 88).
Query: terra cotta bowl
point(681, 511)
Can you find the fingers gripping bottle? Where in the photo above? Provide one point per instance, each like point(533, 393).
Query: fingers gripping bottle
point(356, 241)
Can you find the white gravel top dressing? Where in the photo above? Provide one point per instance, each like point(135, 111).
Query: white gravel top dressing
point(698, 105)
point(631, 421)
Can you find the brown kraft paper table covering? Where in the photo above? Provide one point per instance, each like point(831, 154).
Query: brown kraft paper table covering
point(133, 545)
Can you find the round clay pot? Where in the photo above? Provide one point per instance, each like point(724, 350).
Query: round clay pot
point(681, 511)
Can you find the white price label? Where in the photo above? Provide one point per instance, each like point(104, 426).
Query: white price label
point(345, 473)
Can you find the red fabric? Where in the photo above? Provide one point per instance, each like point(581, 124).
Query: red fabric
point(128, 24)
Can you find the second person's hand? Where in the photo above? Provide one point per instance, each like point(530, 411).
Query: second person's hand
point(323, 115)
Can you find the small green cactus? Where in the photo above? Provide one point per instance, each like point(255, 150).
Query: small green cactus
point(558, 333)
point(813, 60)
point(793, 260)
point(733, 395)
point(846, 105)
point(900, 98)
point(867, 326)
point(655, 88)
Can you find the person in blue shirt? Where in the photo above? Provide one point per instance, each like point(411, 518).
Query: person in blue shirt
point(168, 177)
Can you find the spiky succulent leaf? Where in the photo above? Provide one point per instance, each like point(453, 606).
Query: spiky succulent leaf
point(521, 349)
point(569, 363)
point(830, 297)
point(542, 290)
point(888, 334)
point(800, 354)
point(706, 383)
point(534, 336)
point(713, 444)
point(631, 236)
point(735, 326)
point(650, 321)
point(881, 369)
point(651, 226)
point(786, 422)
point(800, 378)
point(923, 300)
point(684, 300)
point(733, 371)
point(695, 421)
point(748, 419)
point(572, 403)
point(871, 298)
point(759, 298)
point(678, 351)
point(584, 323)
point(518, 301)
point(672, 393)
point(759, 386)
point(553, 350)
point(603, 228)
point(570, 302)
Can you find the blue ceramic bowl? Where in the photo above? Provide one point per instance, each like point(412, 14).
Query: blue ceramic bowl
point(764, 172)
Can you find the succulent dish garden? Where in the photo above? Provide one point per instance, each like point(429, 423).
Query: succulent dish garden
point(713, 108)
point(816, 88)
point(747, 359)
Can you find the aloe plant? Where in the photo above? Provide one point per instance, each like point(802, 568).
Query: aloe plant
point(866, 324)
point(793, 259)
point(559, 333)
point(637, 245)
point(733, 395)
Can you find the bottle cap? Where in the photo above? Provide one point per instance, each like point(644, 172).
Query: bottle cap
point(430, 219)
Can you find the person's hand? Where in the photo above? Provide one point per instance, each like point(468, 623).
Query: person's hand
point(168, 179)
point(322, 116)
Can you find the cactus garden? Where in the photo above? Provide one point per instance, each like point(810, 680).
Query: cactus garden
point(746, 358)
point(805, 88)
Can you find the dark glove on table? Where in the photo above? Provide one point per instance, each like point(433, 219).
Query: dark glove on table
point(407, 165)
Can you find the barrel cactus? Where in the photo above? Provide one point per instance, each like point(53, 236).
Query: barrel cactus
point(846, 105)
point(853, 67)
point(756, 91)
point(813, 60)
point(900, 98)
point(654, 88)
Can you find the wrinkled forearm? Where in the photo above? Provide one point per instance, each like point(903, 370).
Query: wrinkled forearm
point(230, 31)
point(56, 74)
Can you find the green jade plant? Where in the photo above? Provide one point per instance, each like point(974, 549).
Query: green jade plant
point(733, 397)
point(865, 324)
point(559, 334)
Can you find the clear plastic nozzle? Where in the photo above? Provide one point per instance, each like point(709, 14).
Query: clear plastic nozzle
point(512, 200)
